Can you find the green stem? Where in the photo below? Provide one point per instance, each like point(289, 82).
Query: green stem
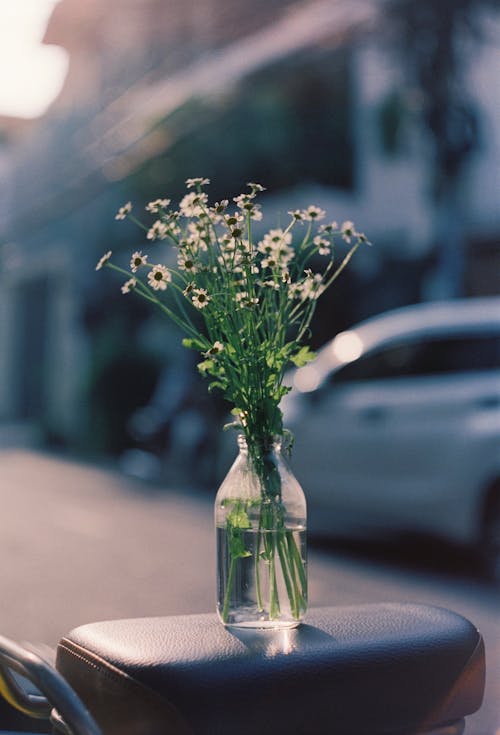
point(274, 604)
point(258, 590)
point(229, 588)
point(291, 586)
point(295, 555)
point(297, 563)
point(343, 264)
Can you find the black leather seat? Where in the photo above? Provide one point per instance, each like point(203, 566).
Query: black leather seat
point(366, 670)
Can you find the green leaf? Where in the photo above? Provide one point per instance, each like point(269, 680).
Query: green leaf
point(195, 344)
point(271, 380)
point(280, 392)
point(217, 384)
point(237, 545)
point(276, 359)
point(237, 521)
point(303, 356)
point(238, 517)
point(205, 366)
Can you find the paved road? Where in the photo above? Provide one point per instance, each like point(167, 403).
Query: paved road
point(80, 543)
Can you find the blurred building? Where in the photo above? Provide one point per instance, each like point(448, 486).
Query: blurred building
point(299, 94)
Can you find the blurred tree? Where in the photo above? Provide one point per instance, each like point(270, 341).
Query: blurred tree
point(432, 40)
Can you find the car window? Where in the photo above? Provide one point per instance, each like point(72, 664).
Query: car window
point(429, 356)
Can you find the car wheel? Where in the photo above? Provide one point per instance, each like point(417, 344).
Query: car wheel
point(490, 543)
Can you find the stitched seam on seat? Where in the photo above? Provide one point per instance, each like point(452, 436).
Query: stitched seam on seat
point(101, 665)
point(122, 678)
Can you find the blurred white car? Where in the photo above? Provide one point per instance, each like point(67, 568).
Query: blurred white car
point(397, 425)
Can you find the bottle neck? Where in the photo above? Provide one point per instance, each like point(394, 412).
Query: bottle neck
point(271, 445)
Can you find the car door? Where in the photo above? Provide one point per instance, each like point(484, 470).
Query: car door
point(347, 434)
point(387, 437)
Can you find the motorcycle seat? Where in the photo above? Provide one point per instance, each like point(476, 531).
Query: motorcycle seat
point(364, 670)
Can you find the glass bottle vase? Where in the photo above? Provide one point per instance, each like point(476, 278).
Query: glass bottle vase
point(260, 520)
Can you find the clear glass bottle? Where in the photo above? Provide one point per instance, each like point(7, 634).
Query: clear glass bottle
point(260, 520)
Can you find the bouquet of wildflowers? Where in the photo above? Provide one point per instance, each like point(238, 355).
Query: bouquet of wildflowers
point(257, 298)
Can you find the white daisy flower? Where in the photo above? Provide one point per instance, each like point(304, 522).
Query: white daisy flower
point(200, 297)
point(273, 240)
point(256, 213)
point(285, 254)
point(265, 247)
point(215, 214)
point(233, 219)
point(330, 227)
point(347, 230)
point(256, 187)
point(244, 301)
point(220, 207)
point(275, 246)
point(129, 285)
point(271, 284)
point(242, 200)
point(245, 203)
point(312, 286)
point(189, 289)
point(313, 213)
point(197, 229)
point(157, 231)
point(297, 214)
point(196, 244)
point(245, 248)
point(190, 183)
point(155, 206)
point(322, 245)
point(137, 260)
point(228, 244)
point(270, 262)
point(123, 211)
point(198, 236)
point(193, 204)
point(103, 260)
point(186, 263)
point(249, 303)
point(158, 277)
point(214, 350)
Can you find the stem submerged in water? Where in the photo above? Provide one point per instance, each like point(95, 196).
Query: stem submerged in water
point(260, 606)
point(229, 589)
point(258, 528)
